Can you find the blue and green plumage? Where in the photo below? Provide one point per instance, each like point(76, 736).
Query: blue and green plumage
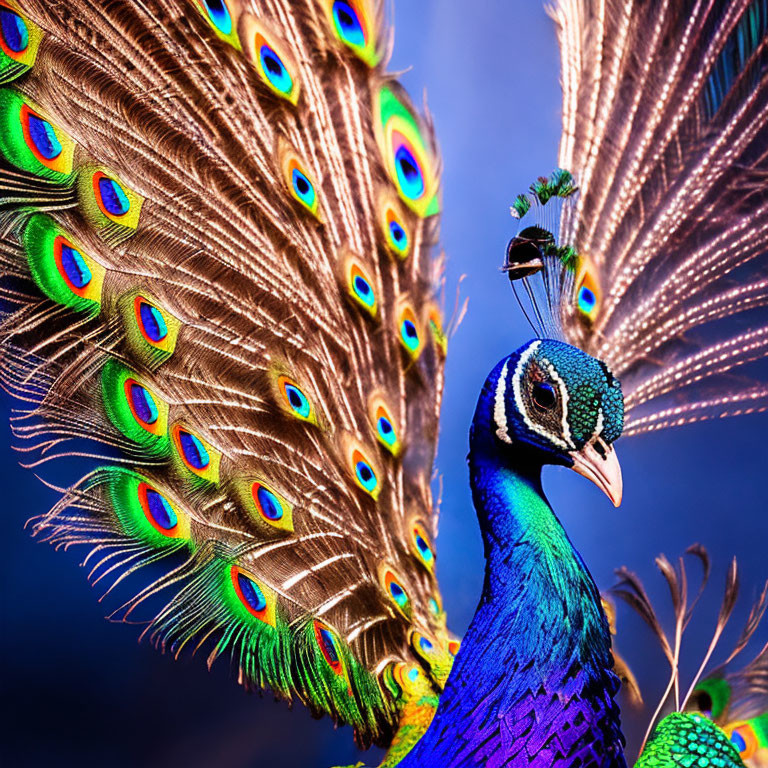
point(689, 740)
point(220, 275)
point(735, 699)
point(538, 649)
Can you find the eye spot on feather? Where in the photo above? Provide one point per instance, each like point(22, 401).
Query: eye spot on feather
point(294, 398)
point(137, 412)
point(151, 332)
point(434, 607)
point(110, 195)
point(587, 300)
point(159, 510)
point(407, 156)
point(222, 17)
point(19, 42)
point(409, 332)
point(407, 677)
point(142, 404)
point(192, 450)
point(275, 71)
point(218, 14)
point(105, 201)
point(14, 31)
point(196, 455)
point(298, 180)
point(363, 290)
point(255, 598)
point(397, 236)
point(272, 60)
point(421, 546)
point(268, 504)
point(386, 430)
point(352, 26)
point(409, 174)
point(453, 647)
point(395, 591)
point(43, 140)
point(424, 646)
point(744, 739)
point(251, 593)
point(360, 286)
point(151, 321)
point(32, 142)
point(394, 229)
point(143, 512)
point(269, 511)
point(73, 266)
point(348, 24)
point(160, 513)
point(364, 473)
point(587, 294)
point(303, 188)
point(297, 401)
point(328, 645)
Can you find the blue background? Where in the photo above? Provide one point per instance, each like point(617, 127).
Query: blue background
point(80, 691)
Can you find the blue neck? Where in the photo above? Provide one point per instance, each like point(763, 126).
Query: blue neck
point(532, 683)
point(538, 594)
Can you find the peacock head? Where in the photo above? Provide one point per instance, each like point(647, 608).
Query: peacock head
point(559, 405)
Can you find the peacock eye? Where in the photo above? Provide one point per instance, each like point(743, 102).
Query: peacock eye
point(409, 173)
point(348, 24)
point(14, 30)
point(274, 70)
point(544, 395)
point(219, 15)
point(703, 702)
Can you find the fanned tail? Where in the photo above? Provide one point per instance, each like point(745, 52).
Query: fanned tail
point(216, 224)
point(665, 126)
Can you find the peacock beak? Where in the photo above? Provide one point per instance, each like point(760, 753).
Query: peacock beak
point(597, 462)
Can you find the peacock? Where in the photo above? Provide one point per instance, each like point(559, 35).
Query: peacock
point(221, 290)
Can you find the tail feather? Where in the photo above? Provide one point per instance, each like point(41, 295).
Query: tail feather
point(734, 700)
point(665, 124)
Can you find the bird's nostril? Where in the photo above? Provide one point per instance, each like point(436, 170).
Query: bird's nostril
point(601, 447)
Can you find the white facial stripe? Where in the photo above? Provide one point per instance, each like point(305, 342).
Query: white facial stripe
point(564, 397)
point(517, 388)
point(499, 407)
point(599, 426)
